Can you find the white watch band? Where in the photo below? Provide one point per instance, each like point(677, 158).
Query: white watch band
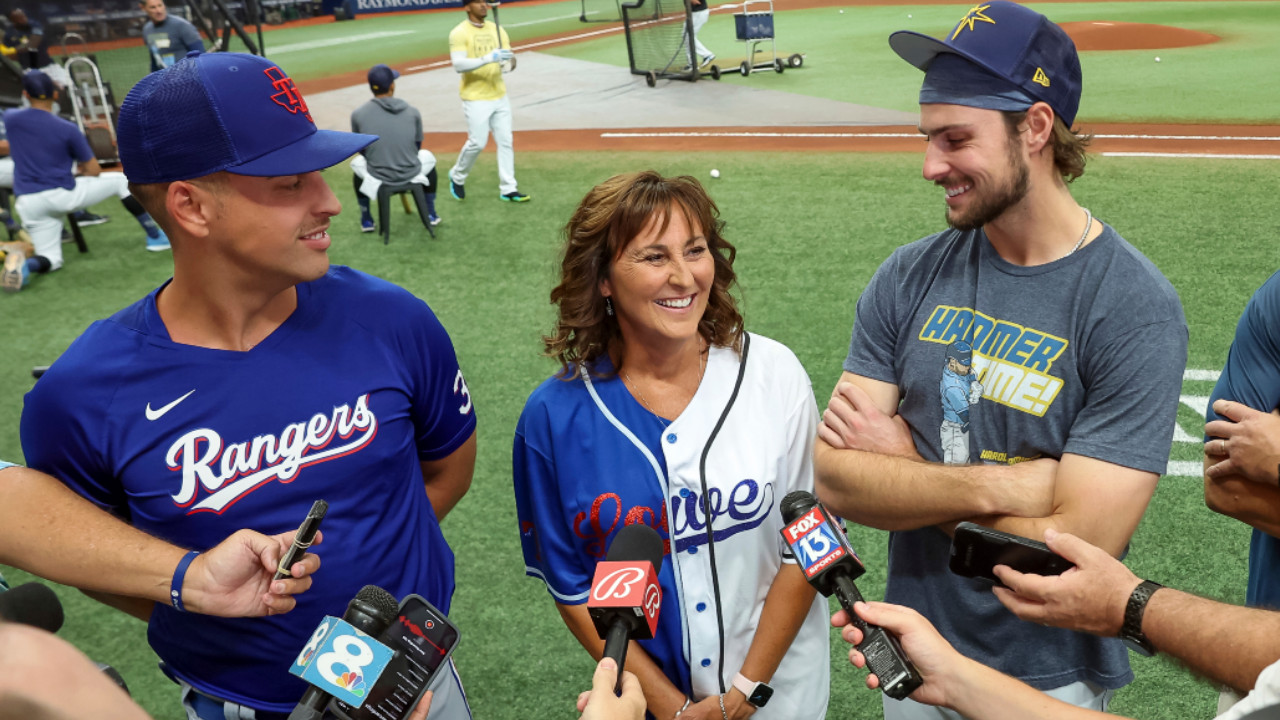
point(745, 686)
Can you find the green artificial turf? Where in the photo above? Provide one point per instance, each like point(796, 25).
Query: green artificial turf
point(848, 58)
point(810, 230)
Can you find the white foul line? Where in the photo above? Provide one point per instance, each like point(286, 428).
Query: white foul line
point(1204, 156)
point(313, 44)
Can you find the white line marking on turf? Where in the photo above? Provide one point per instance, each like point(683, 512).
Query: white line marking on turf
point(546, 20)
point(1210, 375)
point(1199, 403)
point(1196, 156)
point(1270, 138)
point(749, 134)
point(313, 44)
point(1184, 468)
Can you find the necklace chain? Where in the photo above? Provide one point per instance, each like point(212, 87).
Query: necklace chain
point(702, 368)
point(1088, 225)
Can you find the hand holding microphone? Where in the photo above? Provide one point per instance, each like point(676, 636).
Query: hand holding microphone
point(625, 594)
point(831, 566)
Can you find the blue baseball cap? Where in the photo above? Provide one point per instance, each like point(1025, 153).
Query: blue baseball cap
point(38, 85)
point(381, 77)
point(221, 111)
point(1016, 44)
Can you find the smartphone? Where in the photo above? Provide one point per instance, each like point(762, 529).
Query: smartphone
point(976, 549)
point(423, 639)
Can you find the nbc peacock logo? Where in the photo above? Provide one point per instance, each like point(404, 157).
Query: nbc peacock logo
point(352, 682)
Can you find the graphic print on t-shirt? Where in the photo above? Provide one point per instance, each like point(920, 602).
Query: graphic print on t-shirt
point(989, 359)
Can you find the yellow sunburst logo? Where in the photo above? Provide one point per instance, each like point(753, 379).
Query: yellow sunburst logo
point(1040, 78)
point(974, 15)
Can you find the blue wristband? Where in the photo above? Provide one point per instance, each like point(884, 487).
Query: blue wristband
point(179, 573)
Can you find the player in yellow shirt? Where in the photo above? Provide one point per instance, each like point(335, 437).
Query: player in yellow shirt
point(478, 56)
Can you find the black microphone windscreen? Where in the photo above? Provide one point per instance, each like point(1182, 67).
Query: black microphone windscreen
point(379, 602)
point(796, 503)
point(32, 604)
point(637, 542)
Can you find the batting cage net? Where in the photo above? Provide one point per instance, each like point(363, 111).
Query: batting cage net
point(660, 39)
point(601, 11)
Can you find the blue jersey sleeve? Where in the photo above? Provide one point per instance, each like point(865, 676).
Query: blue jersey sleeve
point(61, 423)
point(545, 533)
point(78, 144)
point(443, 411)
point(1252, 373)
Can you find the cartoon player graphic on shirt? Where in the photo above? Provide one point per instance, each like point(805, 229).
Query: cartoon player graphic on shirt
point(959, 389)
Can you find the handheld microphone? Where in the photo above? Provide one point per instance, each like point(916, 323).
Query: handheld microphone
point(830, 565)
point(32, 604)
point(334, 645)
point(625, 594)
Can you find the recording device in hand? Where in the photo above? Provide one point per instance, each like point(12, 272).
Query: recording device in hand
point(830, 565)
point(625, 594)
point(32, 604)
point(37, 605)
point(302, 539)
point(977, 549)
point(371, 612)
point(423, 639)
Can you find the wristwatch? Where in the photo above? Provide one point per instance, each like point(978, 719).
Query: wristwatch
point(757, 693)
point(1131, 630)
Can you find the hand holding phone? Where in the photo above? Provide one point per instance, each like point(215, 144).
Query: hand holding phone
point(977, 549)
point(302, 539)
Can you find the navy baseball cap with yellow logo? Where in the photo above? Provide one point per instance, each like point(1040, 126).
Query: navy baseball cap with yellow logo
point(1014, 43)
point(38, 85)
point(224, 111)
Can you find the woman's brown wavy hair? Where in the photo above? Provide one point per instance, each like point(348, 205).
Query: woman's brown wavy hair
point(615, 212)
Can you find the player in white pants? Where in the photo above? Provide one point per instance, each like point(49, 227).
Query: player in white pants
point(42, 212)
point(699, 16)
point(44, 148)
point(477, 55)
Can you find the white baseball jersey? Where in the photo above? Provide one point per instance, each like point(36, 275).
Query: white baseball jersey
point(590, 459)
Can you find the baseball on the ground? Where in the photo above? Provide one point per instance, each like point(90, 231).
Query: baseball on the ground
point(715, 173)
point(1157, 58)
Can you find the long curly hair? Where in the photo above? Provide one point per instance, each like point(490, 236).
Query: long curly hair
point(611, 215)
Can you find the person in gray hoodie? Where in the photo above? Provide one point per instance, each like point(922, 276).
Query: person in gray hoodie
point(397, 156)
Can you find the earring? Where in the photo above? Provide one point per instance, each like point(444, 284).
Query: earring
point(608, 307)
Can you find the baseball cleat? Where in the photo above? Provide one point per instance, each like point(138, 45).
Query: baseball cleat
point(15, 271)
point(457, 191)
point(84, 218)
point(707, 60)
point(515, 197)
point(366, 225)
point(159, 243)
point(435, 220)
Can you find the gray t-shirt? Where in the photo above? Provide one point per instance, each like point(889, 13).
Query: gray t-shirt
point(170, 41)
point(394, 156)
point(998, 363)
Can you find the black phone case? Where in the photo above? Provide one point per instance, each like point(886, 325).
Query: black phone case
point(425, 625)
point(977, 549)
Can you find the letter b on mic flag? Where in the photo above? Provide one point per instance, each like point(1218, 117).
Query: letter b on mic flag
point(342, 661)
point(623, 585)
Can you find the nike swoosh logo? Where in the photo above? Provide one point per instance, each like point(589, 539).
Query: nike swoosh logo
point(159, 412)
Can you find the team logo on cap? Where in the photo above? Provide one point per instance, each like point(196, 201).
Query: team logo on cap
point(289, 97)
point(974, 15)
point(1040, 78)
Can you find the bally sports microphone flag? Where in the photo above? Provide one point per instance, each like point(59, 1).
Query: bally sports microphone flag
point(625, 594)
